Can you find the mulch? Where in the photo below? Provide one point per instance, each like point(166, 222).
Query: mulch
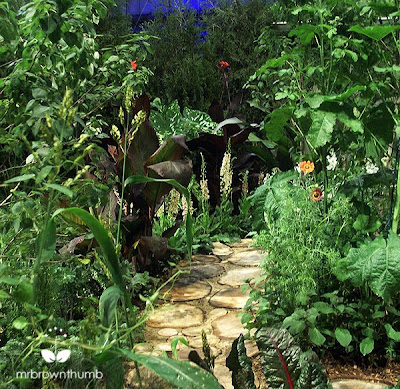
point(388, 375)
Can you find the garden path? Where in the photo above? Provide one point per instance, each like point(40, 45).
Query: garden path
point(208, 298)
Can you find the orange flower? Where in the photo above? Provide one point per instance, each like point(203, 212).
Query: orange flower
point(307, 167)
point(223, 65)
point(134, 65)
point(316, 194)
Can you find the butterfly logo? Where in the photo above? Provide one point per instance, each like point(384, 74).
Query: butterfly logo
point(62, 356)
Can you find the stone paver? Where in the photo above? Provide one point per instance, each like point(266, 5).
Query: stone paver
point(183, 291)
point(356, 384)
point(228, 327)
point(202, 259)
point(232, 298)
point(221, 250)
point(191, 310)
point(178, 316)
point(237, 277)
point(247, 258)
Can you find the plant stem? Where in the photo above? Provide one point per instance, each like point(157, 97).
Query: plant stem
point(325, 174)
point(396, 211)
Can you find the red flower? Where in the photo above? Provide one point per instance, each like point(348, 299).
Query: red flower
point(316, 194)
point(134, 65)
point(224, 66)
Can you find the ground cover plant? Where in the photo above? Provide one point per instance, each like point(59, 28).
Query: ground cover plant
point(123, 153)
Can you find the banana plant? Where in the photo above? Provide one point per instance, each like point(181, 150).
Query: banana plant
point(141, 155)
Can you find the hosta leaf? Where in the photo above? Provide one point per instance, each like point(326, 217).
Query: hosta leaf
point(179, 373)
point(374, 32)
point(377, 264)
point(343, 336)
point(321, 129)
point(280, 357)
point(240, 365)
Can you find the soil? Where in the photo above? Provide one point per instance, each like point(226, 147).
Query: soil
point(386, 375)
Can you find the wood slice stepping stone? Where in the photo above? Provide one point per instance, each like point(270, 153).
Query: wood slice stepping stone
point(216, 312)
point(356, 384)
point(221, 250)
point(251, 348)
point(223, 375)
point(195, 331)
point(183, 291)
point(237, 277)
point(228, 327)
point(175, 315)
point(247, 258)
point(202, 272)
point(205, 258)
point(167, 332)
point(163, 347)
point(232, 298)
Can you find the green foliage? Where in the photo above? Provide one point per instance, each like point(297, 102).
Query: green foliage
point(240, 365)
point(168, 121)
point(188, 49)
point(374, 264)
point(284, 364)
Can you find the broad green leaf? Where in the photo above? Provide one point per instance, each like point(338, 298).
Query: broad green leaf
point(20, 323)
point(4, 295)
point(316, 337)
point(229, 121)
point(354, 124)
point(103, 239)
point(61, 189)
point(367, 345)
point(180, 188)
point(280, 357)
point(9, 281)
point(313, 374)
point(392, 333)
point(179, 373)
point(278, 119)
point(316, 100)
point(24, 177)
point(374, 32)
point(108, 304)
point(305, 32)
point(343, 336)
point(23, 293)
point(321, 129)
point(376, 263)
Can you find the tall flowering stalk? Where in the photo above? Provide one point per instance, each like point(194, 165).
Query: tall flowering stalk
point(226, 174)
